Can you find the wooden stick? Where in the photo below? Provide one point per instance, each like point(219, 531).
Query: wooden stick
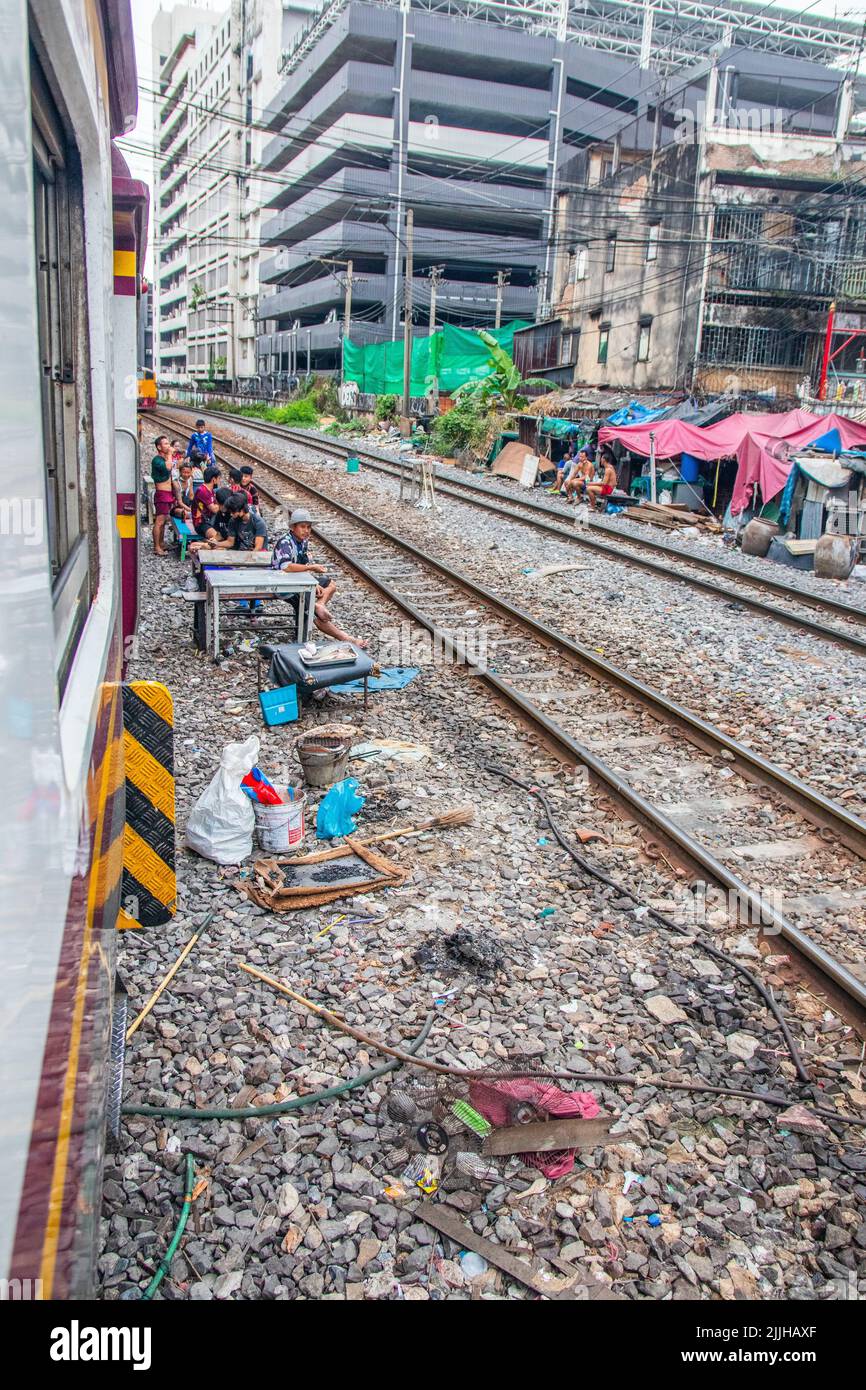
point(400, 832)
point(345, 1027)
point(167, 978)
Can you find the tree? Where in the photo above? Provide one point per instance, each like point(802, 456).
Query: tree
point(196, 295)
point(505, 385)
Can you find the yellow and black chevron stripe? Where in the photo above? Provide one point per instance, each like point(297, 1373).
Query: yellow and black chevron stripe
point(149, 878)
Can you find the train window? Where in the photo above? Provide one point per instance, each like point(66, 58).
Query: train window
point(59, 228)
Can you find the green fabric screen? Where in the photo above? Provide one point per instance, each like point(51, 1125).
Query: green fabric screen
point(454, 355)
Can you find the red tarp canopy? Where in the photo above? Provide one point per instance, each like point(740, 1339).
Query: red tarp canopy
point(762, 444)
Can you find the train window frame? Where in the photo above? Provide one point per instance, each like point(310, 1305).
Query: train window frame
point(61, 315)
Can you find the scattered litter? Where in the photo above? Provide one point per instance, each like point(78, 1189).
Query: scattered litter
point(424, 1172)
point(630, 1179)
point(503, 1103)
point(462, 949)
point(337, 810)
point(472, 1264)
point(547, 912)
point(471, 1118)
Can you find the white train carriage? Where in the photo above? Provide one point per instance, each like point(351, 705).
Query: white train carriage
point(68, 374)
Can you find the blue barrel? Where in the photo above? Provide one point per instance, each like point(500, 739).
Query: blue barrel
point(689, 468)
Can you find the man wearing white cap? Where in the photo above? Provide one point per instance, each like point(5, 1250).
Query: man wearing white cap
point(292, 555)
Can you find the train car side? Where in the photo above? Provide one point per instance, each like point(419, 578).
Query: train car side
point(69, 88)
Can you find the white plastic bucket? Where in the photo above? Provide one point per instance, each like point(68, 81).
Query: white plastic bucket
point(280, 828)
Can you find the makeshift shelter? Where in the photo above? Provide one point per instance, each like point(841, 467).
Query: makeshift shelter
point(762, 444)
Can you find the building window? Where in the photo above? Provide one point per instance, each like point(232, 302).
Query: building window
point(643, 340)
point(62, 324)
point(603, 338)
point(568, 349)
point(652, 241)
point(611, 252)
point(578, 264)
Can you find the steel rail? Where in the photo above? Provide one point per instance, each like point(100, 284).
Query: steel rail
point(818, 808)
point(447, 483)
point(567, 748)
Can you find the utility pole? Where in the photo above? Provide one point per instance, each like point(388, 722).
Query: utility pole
point(502, 278)
point(407, 314)
point(436, 272)
point(347, 310)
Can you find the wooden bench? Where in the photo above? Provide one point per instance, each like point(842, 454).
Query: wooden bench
point(184, 533)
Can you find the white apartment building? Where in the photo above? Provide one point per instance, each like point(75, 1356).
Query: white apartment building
point(215, 71)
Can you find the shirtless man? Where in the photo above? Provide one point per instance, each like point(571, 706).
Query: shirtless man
point(291, 554)
point(580, 473)
point(163, 495)
point(606, 484)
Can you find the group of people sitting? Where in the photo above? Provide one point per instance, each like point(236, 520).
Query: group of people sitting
point(188, 486)
point(576, 475)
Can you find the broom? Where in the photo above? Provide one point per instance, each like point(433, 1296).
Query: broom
point(449, 820)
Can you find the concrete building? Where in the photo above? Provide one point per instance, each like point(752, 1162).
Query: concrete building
point(214, 70)
point(704, 250)
point(383, 109)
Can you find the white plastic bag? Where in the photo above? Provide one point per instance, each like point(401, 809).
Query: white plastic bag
point(222, 821)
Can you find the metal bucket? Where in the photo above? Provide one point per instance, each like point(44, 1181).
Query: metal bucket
point(280, 828)
point(323, 760)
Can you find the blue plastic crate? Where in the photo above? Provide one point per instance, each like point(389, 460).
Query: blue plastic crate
point(279, 706)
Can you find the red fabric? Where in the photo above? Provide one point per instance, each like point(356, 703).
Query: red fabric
point(163, 501)
point(495, 1100)
point(762, 444)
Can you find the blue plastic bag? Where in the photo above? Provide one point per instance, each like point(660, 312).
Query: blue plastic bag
point(337, 810)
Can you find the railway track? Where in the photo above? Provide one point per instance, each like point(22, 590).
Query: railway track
point(755, 838)
point(730, 584)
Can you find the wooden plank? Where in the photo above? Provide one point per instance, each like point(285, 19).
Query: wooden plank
point(443, 1219)
point(549, 1135)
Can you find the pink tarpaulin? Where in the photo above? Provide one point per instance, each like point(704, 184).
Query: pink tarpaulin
point(762, 444)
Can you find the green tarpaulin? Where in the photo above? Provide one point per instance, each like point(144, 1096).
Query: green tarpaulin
point(453, 355)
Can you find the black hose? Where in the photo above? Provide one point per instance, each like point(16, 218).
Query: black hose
point(588, 868)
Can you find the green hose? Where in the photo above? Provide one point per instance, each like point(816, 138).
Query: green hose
point(255, 1112)
point(165, 1263)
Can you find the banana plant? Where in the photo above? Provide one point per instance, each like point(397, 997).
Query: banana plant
point(505, 385)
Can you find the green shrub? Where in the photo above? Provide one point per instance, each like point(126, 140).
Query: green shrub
point(466, 426)
point(300, 412)
point(386, 408)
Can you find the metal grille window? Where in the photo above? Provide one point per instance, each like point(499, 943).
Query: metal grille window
point(61, 320)
point(752, 346)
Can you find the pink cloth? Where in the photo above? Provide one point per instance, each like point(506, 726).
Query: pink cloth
point(495, 1100)
point(762, 444)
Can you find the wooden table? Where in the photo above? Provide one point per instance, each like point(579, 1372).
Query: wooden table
point(232, 559)
point(256, 582)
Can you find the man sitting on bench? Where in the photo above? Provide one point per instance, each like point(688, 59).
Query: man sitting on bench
point(606, 484)
point(292, 555)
